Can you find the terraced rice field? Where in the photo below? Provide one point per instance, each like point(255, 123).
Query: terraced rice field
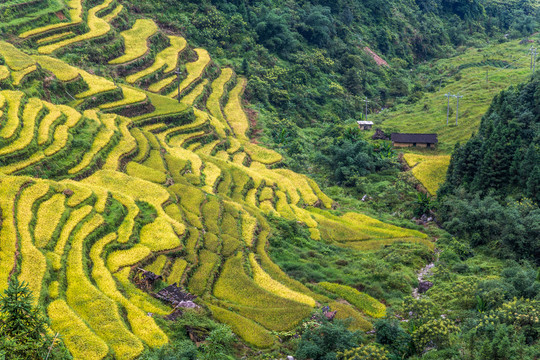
point(429, 169)
point(90, 195)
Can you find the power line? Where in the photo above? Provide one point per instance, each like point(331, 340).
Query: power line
point(494, 72)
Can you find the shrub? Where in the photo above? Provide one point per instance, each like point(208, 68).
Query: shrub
point(434, 333)
point(325, 340)
point(364, 352)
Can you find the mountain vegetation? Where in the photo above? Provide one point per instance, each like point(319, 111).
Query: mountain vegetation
point(186, 180)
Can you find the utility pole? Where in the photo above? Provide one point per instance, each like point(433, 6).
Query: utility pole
point(534, 53)
point(457, 109)
point(366, 101)
point(177, 72)
point(448, 107)
point(487, 78)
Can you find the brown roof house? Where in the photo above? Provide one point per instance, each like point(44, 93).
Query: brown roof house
point(414, 140)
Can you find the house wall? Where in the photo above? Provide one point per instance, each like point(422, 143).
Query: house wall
point(403, 145)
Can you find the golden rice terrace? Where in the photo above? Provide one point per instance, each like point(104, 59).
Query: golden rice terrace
point(125, 176)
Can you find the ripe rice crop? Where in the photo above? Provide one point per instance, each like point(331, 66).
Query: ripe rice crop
point(131, 96)
point(302, 184)
point(16, 60)
point(266, 282)
point(361, 301)
point(191, 197)
point(315, 234)
point(235, 113)
point(167, 58)
point(96, 84)
point(127, 145)
point(230, 245)
point(377, 244)
point(220, 126)
point(81, 342)
point(327, 202)
point(73, 220)
point(282, 206)
point(157, 266)
point(113, 14)
point(249, 225)
point(4, 72)
point(143, 146)
point(75, 12)
point(268, 208)
point(59, 68)
point(47, 122)
point(211, 174)
point(208, 148)
point(267, 193)
point(192, 243)
point(207, 263)
point(136, 40)
point(348, 312)
point(98, 310)
point(194, 94)
point(273, 318)
point(100, 141)
point(235, 286)
point(159, 235)
point(235, 145)
point(48, 218)
point(54, 289)
point(229, 224)
point(121, 258)
point(155, 161)
point(145, 173)
point(9, 187)
point(54, 37)
point(33, 265)
point(80, 194)
point(304, 216)
point(249, 331)
point(18, 76)
point(430, 170)
point(142, 325)
point(194, 70)
point(158, 86)
point(126, 228)
point(13, 99)
point(98, 27)
point(211, 213)
point(177, 271)
point(211, 242)
point(26, 135)
point(262, 155)
point(213, 104)
point(239, 158)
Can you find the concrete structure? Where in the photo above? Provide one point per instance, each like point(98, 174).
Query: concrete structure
point(365, 125)
point(414, 140)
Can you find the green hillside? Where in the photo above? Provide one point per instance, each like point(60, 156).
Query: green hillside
point(476, 74)
point(214, 144)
